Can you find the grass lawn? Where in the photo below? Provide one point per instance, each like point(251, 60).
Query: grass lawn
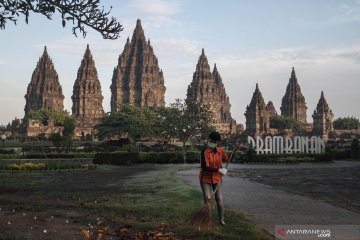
point(107, 202)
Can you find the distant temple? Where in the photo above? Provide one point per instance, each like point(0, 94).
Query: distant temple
point(323, 118)
point(258, 115)
point(293, 103)
point(87, 97)
point(207, 88)
point(271, 109)
point(137, 79)
point(44, 90)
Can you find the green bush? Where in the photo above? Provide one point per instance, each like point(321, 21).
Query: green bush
point(58, 155)
point(27, 166)
point(126, 158)
point(341, 154)
point(70, 164)
point(160, 157)
point(116, 158)
point(355, 149)
point(283, 158)
point(10, 156)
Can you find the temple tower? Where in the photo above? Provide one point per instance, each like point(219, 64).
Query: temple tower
point(293, 103)
point(207, 88)
point(271, 109)
point(323, 118)
point(137, 79)
point(44, 89)
point(87, 97)
point(257, 115)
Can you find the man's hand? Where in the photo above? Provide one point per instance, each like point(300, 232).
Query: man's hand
point(223, 171)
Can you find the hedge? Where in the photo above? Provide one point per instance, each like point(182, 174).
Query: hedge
point(58, 155)
point(128, 158)
point(283, 158)
point(28, 165)
point(340, 154)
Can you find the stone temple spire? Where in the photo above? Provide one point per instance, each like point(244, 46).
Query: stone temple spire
point(198, 90)
point(44, 89)
point(293, 75)
point(87, 98)
point(293, 103)
point(323, 118)
point(137, 79)
point(207, 88)
point(271, 109)
point(257, 115)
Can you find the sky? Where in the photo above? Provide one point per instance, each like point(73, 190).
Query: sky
point(251, 41)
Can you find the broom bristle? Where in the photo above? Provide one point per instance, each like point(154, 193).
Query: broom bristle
point(202, 218)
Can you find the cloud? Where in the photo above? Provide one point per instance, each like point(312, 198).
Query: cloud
point(353, 56)
point(349, 12)
point(104, 52)
point(158, 23)
point(156, 7)
point(176, 48)
point(2, 61)
point(334, 70)
point(305, 55)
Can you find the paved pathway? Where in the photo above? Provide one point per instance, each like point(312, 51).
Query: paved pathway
point(267, 206)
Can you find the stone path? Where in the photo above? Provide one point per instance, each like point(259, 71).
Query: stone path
point(267, 206)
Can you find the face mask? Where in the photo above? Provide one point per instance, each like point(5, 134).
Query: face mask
point(212, 145)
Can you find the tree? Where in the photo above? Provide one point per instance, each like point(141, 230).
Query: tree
point(56, 139)
point(165, 122)
point(346, 123)
point(69, 127)
point(44, 115)
point(68, 132)
point(282, 123)
point(185, 120)
point(355, 149)
point(80, 13)
point(134, 122)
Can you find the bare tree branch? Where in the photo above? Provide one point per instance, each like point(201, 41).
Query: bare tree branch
point(81, 13)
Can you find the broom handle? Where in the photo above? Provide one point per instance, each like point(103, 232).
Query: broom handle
point(231, 157)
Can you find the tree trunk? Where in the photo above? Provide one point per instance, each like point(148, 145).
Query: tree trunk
point(184, 152)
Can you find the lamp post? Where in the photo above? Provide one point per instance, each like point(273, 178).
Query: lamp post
point(3, 138)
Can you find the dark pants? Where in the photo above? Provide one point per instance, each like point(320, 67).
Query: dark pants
point(207, 189)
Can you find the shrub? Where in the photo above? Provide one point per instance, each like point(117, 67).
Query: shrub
point(27, 166)
point(69, 164)
point(339, 154)
point(116, 158)
point(160, 157)
point(59, 155)
point(355, 149)
point(126, 158)
point(283, 158)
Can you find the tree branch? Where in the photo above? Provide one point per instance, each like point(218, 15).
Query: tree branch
point(80, 13)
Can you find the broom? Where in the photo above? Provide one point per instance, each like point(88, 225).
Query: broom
point(202, 218)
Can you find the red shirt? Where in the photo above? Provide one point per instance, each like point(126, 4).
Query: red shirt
point(211, 162)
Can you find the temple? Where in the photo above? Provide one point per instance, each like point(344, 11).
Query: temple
point(87, 97)
point(323, 119)
point(207, 88)
point(137, 79)
point(293, 103)
point(44, 89)
point(257, 115)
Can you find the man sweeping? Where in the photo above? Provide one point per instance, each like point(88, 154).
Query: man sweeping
point(211, 172)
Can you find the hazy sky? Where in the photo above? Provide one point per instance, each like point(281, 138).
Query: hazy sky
point(250, 42)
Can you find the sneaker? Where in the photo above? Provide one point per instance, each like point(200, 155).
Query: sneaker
point(222, 222)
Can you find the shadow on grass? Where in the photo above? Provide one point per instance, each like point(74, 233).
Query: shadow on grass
point(109, 201)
